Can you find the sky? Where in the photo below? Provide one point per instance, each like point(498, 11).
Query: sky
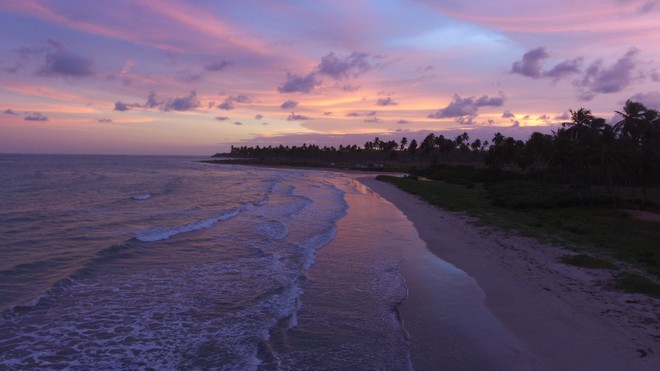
point(198, 76)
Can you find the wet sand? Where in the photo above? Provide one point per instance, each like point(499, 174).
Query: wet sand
point(513, 305)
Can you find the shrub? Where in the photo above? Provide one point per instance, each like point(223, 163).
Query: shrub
point(586, 261)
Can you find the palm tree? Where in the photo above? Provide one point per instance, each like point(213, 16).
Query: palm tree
point(404, 141)
point(639, 131)
point(412, 148)
point(539, 147)
point(580, 124)
point(606, 155)
point(428, 144)
point(630, 125)
point(575, 145)
point(476, 145)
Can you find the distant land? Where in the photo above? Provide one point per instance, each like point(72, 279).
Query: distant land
point(589, 184)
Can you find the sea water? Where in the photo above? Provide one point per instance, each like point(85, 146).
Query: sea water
point(165, 262)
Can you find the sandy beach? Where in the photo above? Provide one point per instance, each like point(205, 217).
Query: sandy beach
point(545, 315)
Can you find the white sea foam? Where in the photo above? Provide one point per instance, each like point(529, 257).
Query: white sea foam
point(311, 245)
point(158, 234)
point(142, 197)
point(157, 311)
point(273, 230)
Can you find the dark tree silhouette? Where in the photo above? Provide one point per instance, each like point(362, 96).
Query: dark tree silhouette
point(639, 132)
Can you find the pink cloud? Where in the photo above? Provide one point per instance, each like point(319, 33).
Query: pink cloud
point(461, 107)
point(602, 79)
point(530, 65)
point(171, 25)
point(546, 17)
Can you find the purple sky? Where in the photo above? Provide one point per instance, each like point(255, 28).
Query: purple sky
point(196, 76)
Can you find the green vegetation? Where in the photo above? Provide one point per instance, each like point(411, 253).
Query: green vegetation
point(572, 187)
point(636, 284)
point(587, 261)
point(585, 162)
point(532, 212)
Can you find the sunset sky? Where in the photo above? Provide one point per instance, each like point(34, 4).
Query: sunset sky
point(196, 76)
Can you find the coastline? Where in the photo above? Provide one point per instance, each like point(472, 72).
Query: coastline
point(565, 317)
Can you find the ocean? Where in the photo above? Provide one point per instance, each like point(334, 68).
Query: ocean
point(115, 262)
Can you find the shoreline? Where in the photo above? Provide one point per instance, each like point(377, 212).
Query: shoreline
point(565, 316)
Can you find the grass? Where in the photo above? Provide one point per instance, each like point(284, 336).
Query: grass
point(599, 228)
point(636, 284)
point(587, 261)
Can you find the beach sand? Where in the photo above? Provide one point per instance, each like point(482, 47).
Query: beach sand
point(520, 308)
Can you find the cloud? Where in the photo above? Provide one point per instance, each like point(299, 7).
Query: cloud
point(9, 111)
point(650, 99)
point(188, 76)
point(350, 88)
point(123, 107)
point(358, 114)
point(402, 122)
point(258, 116)
point(104, 121)
point(187, 103)
point(241, 98)
point(563, 116)
point(289, 104)
point(600, 79)
point(466, 120)
point(333, 66)
point(228, 104)
point(151, 100)
point(299, 84)
point(530, 65)
point(460, 107)
point(24, 55)
point(372, 119)
point(340, 68)
point(35, 116)
point(294, 117)
point(508, 115)
point(655, 76)
point(63, 62)
point(238, 123)
point(221, 118)
point(217, 66)
point(490, 101)
point(647, 6)
point(386, 102)
point(328, 113)
point(564, 69)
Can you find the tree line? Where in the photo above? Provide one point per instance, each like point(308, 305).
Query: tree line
point(584, 151)
point(588, 151)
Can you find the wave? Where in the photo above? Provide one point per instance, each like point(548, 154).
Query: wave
point(117, 250)
point(315, 243)
point(65, 281)
point(142, 197)
point(159, 234)
point(272, 230)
